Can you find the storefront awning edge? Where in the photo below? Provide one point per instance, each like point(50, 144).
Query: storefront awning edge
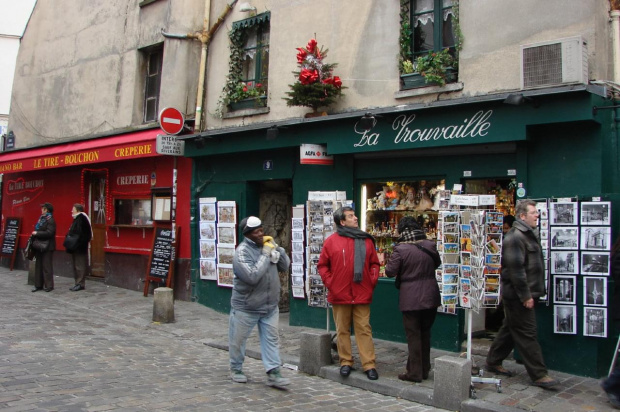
point(594, 89)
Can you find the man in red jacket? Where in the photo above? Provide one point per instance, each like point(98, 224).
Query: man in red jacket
point(349, 267)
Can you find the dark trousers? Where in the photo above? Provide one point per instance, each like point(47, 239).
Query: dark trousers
point(418, 325)
point(80, 267)
point(44, 270)
point(518, 331)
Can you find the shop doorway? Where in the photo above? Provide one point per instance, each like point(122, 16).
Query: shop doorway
point(96, 208)
point(275, 209)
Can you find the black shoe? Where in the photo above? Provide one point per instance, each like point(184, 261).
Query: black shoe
point(77, 287)
point(48, 289)
point(36, 289)
point(345, 370)
point(372, 374)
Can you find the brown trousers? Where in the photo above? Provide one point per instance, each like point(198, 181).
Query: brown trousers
point(359, 315)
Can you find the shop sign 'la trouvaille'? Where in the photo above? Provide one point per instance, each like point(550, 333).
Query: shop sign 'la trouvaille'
point(475, 126)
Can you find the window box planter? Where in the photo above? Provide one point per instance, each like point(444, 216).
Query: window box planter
point(416, 80)
point(251, 103)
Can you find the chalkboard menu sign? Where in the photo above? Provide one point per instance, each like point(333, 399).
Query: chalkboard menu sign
point(11, 238)
point(163, 254)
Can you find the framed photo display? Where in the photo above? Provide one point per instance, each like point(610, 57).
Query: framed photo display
point(594, 291)
point(564, 213)
point(564, 262)
point(595, 213)
point(595, 237)
point(564, 237)
point(595, 263)
point(564, 289)
point(565, 317)
point(595, 322)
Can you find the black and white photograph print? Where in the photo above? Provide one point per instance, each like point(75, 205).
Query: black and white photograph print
point(595, 237)
point(564, 237)
point(298, 292)
point(297, 247)
point(595, 263)
point(594, 291)
point(595, 213)
point(297, 280)
point(564, 319)
point(564, 289)
point(564, 214)
point(297, 270)
point(565, 263)
point(297, 224)
point(595, 322)
point(298, 235)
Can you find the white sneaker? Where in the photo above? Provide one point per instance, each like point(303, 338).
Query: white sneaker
point(276, 380)
point(238, 377)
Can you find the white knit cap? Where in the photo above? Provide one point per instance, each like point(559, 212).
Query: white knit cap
point(250, 223)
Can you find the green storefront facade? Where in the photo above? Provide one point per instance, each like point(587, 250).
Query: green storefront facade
point(556, 143)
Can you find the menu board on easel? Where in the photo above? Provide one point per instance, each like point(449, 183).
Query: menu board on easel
point(11, 238)
point(160, 268)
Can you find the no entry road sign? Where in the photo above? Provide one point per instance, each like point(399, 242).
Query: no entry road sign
point(171, 120)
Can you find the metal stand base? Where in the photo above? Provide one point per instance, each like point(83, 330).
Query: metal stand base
point(480, 379)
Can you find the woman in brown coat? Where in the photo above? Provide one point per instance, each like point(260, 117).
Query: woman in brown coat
point(414, 261)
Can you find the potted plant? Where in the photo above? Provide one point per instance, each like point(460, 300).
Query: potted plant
point(246, 96)
point(410, 77)
point(316, 86)
point(436, 67)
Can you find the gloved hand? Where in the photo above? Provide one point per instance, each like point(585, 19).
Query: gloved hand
point(269, 239)
point(268, 245)
point(275, 256)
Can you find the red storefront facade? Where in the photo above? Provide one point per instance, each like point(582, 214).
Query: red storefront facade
point(116, 178)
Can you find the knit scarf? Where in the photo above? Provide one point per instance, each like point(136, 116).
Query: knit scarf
point(360, 248)
point(44, 218)
point(411, 235)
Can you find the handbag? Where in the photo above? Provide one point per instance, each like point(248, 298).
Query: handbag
point(40, 245)
point(71, 242)
point(29, 251)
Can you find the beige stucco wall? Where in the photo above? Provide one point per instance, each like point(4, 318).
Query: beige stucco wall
point(80, 73)
point(362, 37)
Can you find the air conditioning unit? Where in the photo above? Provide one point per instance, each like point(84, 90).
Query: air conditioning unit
point(554, 63)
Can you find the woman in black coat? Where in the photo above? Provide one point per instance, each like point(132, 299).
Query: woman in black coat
point(414, 261)
point(81, 232)
point(45, 231)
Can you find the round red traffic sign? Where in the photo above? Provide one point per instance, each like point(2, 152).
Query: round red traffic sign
point(171, 120)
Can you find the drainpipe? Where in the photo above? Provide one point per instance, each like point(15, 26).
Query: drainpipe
point(615, 34)
point(204, 37)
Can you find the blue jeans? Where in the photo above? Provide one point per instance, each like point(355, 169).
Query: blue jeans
point(240, 326)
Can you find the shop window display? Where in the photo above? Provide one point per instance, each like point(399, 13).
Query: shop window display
point(134, 212)
point(385, 203)
point(503, 189)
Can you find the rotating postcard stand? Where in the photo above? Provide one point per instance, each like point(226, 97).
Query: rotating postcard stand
point(471, 237)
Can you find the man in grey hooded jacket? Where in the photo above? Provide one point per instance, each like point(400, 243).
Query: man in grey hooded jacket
point(254, 301)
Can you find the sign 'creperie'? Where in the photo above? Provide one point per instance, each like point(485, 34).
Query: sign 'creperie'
point(59, 156)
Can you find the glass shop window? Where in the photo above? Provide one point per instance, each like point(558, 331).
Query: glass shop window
point(133, 212)
point(503, 189)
